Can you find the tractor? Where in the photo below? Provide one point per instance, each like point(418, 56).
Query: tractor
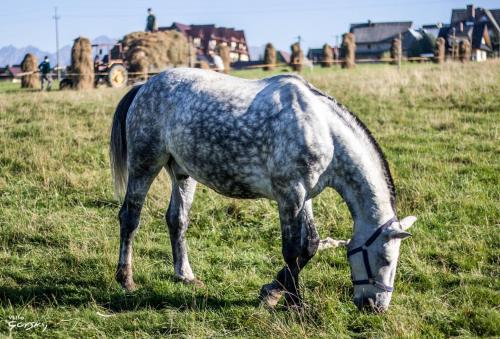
point(109, 67)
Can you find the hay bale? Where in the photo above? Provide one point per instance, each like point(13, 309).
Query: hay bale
point(82, 65)
point(29, 64)
point(224, 53)
point(297, 57)
point(269, 57)
point(439, 52)
point(349, 50)
point(464, 50)
point(327, 56)
point(155, 51)
point(395, 51)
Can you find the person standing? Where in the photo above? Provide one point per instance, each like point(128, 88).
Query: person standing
point(151, 25)
point(46, 76)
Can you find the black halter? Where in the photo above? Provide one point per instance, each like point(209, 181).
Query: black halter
point(362, 248)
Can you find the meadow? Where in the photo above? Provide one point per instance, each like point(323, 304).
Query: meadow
point(439, 127)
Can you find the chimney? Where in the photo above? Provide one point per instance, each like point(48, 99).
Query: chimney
point(471, 12)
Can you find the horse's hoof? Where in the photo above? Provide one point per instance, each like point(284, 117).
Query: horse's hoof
point(194, 282)
point(270, 295)
point(123, 276)
point(129, 286)
point(293, 303)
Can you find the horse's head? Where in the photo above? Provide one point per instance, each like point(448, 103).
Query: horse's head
point(373, 260)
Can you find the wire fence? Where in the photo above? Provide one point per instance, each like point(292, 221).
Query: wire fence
point(243, 67)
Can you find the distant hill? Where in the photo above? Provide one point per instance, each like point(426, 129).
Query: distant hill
point(11, 55)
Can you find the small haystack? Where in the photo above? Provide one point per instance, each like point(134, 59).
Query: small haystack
point(224, 52)
point(30, 65)
point(297, 57)
point(395, 51)
point(155, 51)
point(327, 56)
point(82, 65)
point(349, 50)
point(464, 51)
point(269, 57)
point(439, 52)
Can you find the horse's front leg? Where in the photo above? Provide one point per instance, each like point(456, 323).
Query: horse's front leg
point(300, 242)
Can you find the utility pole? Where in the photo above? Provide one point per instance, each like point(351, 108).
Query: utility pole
point(56, 19)
point(400, 51)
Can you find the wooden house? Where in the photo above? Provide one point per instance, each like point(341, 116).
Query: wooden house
point(206, 38)
point(374, 39)
point(479, 26)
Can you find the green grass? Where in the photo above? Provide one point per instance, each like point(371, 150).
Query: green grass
point(59, 234)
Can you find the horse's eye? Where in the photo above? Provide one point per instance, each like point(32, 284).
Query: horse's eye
point(384, 260)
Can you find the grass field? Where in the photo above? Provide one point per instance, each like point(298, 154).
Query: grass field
point(439, 127)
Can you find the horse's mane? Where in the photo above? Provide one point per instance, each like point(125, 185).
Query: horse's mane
point(385, 165)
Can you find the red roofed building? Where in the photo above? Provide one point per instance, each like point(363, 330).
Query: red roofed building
point(206, 37)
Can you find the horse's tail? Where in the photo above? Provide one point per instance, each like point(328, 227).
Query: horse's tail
point(118, 143)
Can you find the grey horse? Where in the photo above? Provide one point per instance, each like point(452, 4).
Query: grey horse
point(278, 138)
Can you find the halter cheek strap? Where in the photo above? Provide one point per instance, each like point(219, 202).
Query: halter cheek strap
point(363, 248)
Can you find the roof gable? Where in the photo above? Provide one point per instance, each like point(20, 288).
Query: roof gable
point(378, 32)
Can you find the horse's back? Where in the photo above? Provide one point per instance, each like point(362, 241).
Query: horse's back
point(232, 134)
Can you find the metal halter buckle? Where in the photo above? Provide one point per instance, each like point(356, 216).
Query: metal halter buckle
point(363, 248)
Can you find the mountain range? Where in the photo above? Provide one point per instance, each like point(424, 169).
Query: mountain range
point(11, 55)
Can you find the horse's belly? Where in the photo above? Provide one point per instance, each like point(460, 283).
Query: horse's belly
point(229, 176)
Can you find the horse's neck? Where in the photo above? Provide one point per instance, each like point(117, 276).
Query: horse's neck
point(359, 175)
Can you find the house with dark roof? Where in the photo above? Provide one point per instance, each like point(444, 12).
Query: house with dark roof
point(374, 39)
point(205, 39)
point(316, 54)
point(479, 26)
point(10, 73)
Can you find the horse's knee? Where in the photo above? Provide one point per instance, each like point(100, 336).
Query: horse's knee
point(312, 244)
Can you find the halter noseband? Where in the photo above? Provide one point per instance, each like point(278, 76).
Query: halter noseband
point(362, 248)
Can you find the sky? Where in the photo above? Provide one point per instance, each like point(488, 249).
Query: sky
point(30, 22)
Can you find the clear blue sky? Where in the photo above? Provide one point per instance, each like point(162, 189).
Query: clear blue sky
point(29, 22)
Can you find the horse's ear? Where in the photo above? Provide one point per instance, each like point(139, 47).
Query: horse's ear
point(399, 234)
point(407, 222)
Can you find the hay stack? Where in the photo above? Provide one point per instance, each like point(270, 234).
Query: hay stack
point(224, 53)
point(395, 51)
point(349, 49)
point(269, 57)
point(297, 57)
point(82, 65)
point(155, 51)
point(464, 50)
point(29, 64)
point(439, 53)
point(327, 56)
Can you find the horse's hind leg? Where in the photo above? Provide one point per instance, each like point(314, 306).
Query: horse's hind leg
point(137, 188)
point(177, 217)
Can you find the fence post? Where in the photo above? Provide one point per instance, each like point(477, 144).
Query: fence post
point(400, 51)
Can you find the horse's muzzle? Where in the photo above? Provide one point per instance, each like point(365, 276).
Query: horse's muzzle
point(368, 304)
